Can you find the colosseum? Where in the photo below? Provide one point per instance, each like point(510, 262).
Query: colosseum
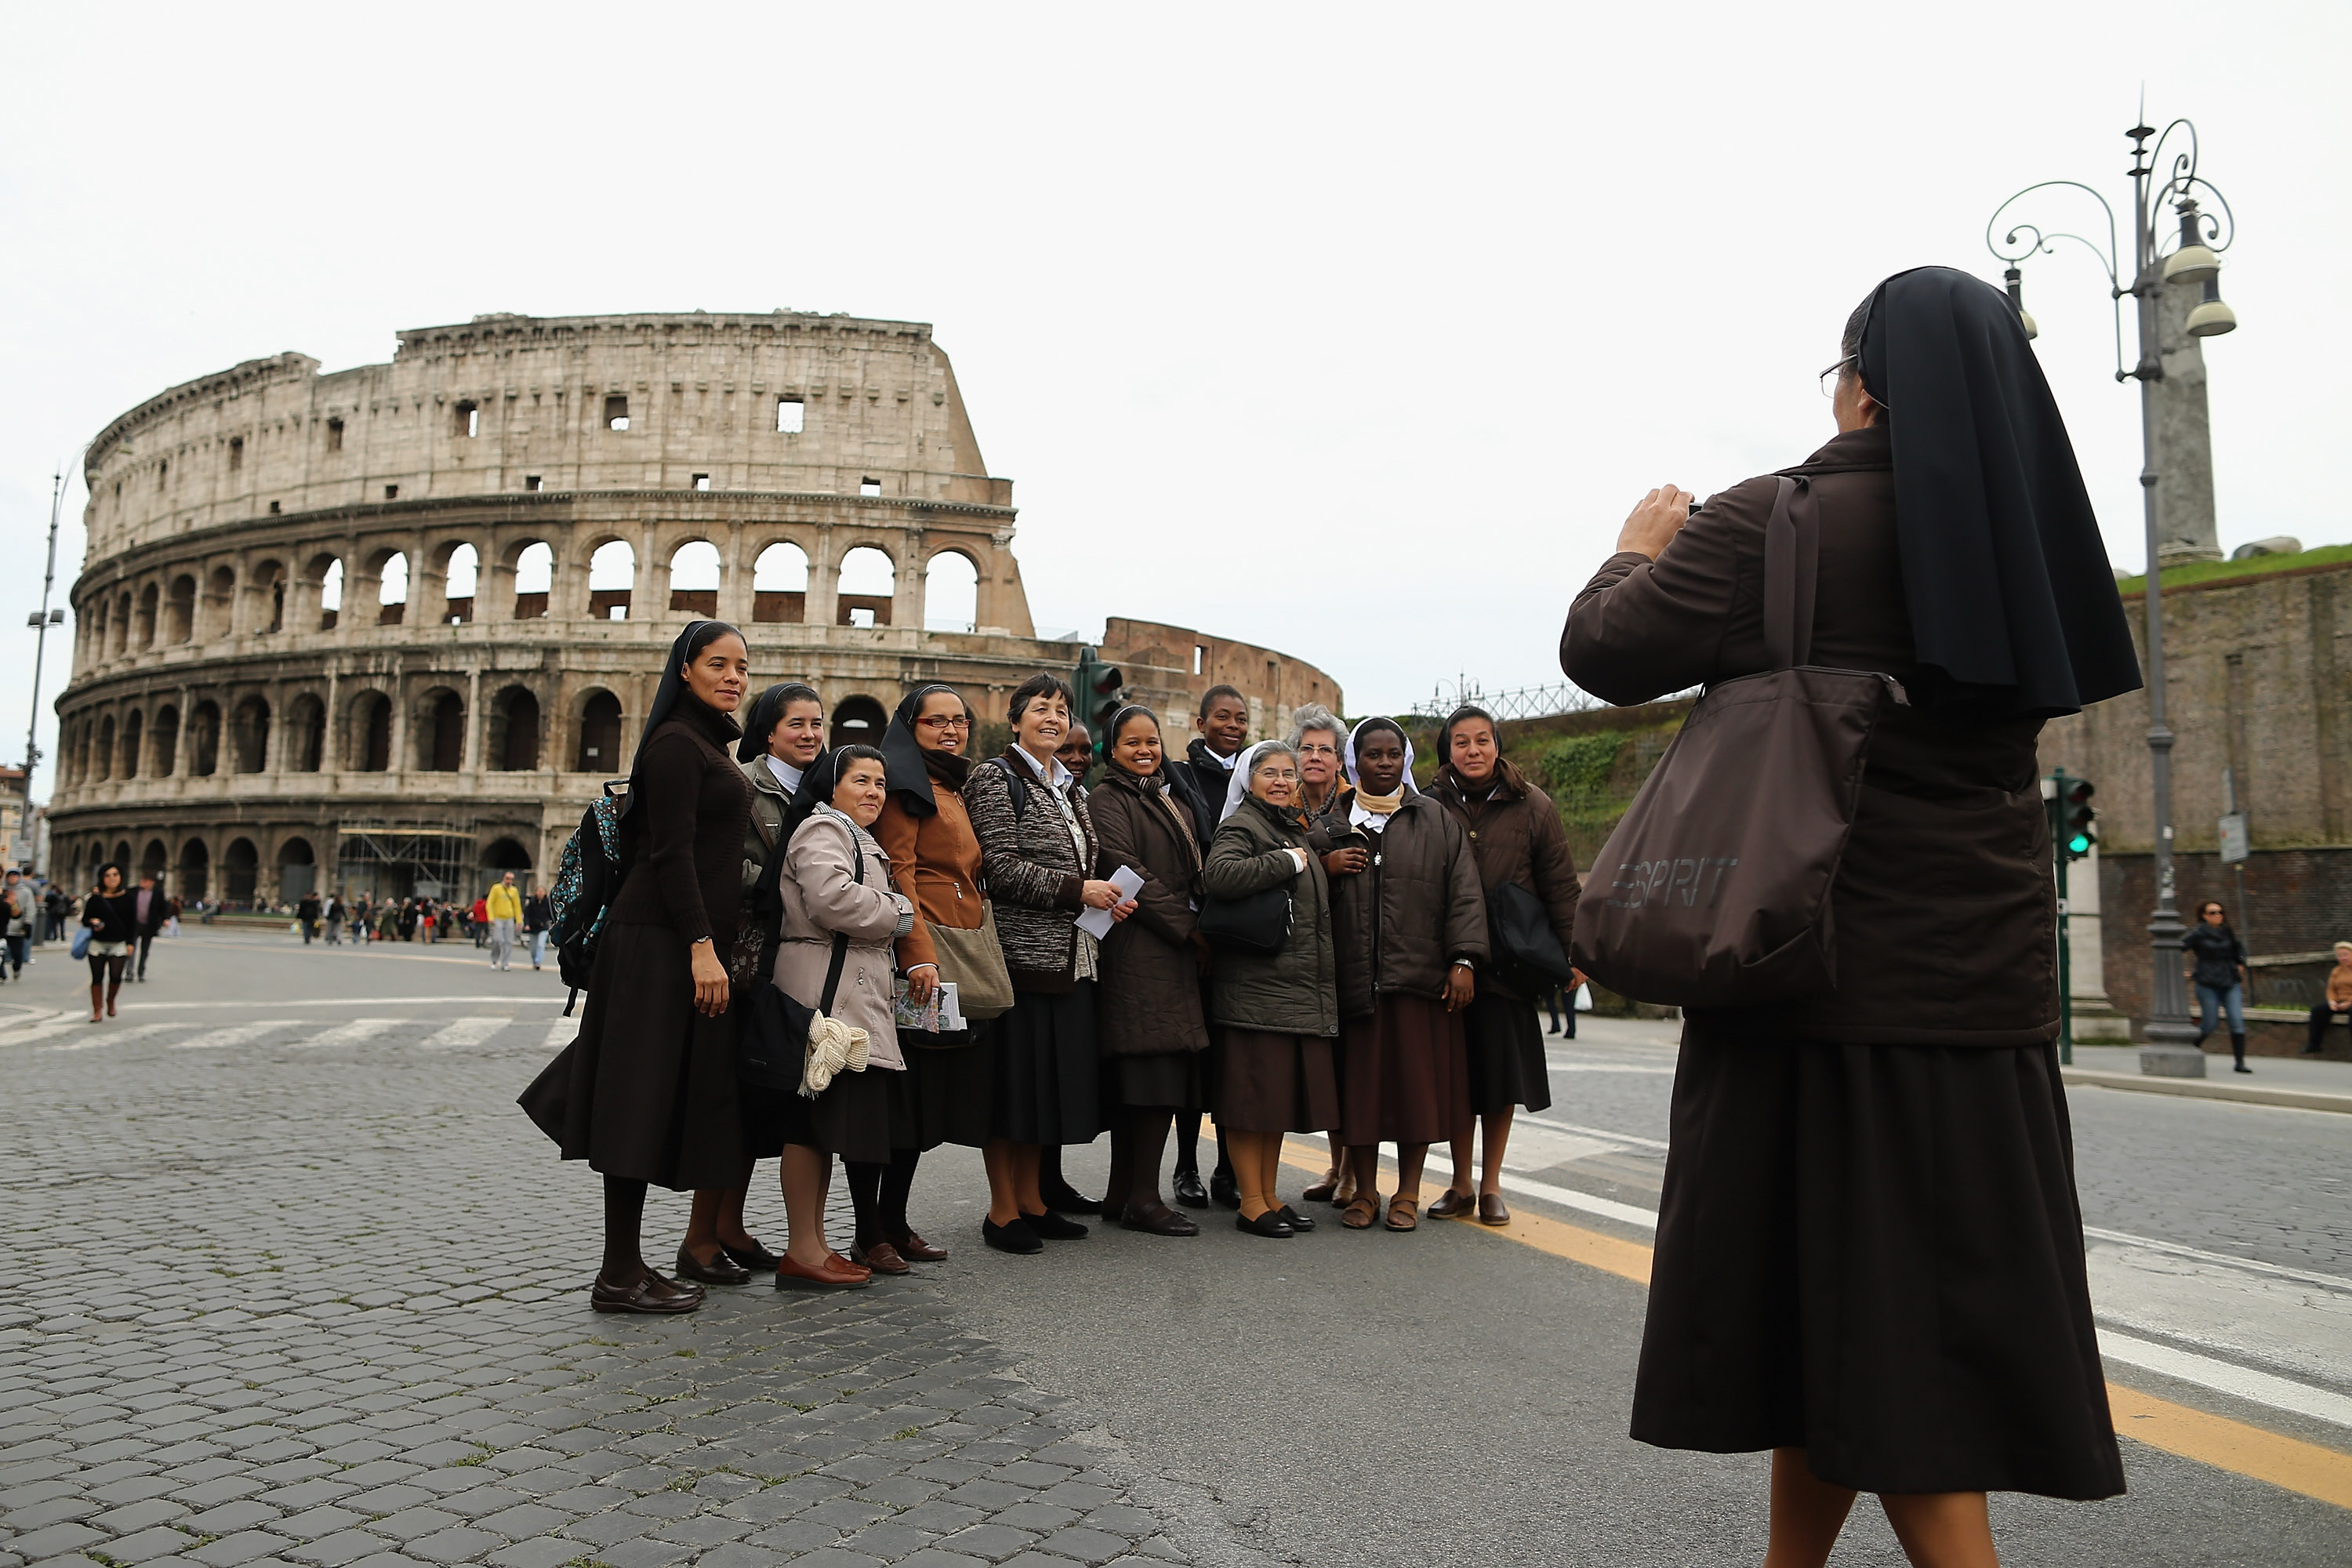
point(389, 629)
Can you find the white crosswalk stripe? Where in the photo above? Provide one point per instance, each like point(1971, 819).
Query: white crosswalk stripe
point(351, 1034)
point(463, 1032)
point(230, 1035)
point(99, 1034)
point(560, 1033)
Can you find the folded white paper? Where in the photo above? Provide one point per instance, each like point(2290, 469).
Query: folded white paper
point(1096, 923)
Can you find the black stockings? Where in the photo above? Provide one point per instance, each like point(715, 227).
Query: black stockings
point(624, 1215)
point(1188, 1146)
point(878, 1194)
point(1135, 1152)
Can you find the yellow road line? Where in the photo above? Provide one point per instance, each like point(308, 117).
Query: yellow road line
point(2287, 1463)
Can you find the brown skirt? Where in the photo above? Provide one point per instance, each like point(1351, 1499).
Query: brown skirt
point(1405, 1074)
point(1508, 1066)
point(1275, 1083)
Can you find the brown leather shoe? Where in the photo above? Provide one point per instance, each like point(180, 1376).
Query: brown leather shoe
point(882, 1258)
point(1324, 1190)
point(1158, 1220)
point(720, 1270)
point(1403, 1214)
point(837, 1273)
point(1492, 1210)
point(915, 1249)
point(653, 1296)
point(1451, 1205)
point(1360, 1211)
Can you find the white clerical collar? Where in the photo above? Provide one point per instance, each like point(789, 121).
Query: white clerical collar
point(1358, 817)
point(786, 775)
point(1224, 763)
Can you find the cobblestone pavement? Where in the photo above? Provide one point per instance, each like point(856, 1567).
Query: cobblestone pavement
point(312, 1292)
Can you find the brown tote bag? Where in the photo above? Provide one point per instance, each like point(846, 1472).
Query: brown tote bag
point(976, 964)
point(1719, 875)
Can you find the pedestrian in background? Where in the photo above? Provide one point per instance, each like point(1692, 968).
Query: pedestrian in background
point(56, 904)
point(1870, 1248)
point(2338, 1000)
point(502, 911)
point(1517, 841)
point(307, 911)
point(478, 922)
point(335, 919)
point(1276, 1015)
point(111, 916)
point(16, 906)
point(2217, 967)
point(538, 914)
point(1202, 778)
point(1408, 928)
point(152, 909)
point(1147, 1016)
point(647, 1091)
point(1039, 850)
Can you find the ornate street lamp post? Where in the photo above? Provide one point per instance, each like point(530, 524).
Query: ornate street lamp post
point(2182, 246)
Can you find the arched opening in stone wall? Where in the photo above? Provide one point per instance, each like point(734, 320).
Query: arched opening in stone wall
point(534, 579)
point(121, 857)
point(513, 738)
point(392, 590)
point(779, 585)
point(270, 584)
point(251, 736)
point(859, 722)
point(204, 739)
point(220, 604)
point(167, 741)
point(148, 601)
point(195, 871)
point(694, 578)
point(240, 873)
point(306, 734)
point(370, 744)
point(505, 855)
point(154, 860)
point(122, 624)
point(951, 592)
point(78, 752)
point(104, 755)
point(442, 741)
point(867, 577)
point(134, 725)
point(600, 735)
point(458, 585)
point(179, 611)
point(298, 870)
point(94, 622)
point(611, 577)
point(327, 572)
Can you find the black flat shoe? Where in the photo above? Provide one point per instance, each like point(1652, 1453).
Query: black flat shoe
point(1069, 1199)
point(1294, 1219)
point(1188, 1189)
point(1270, 1223)
point(1158, 1220)
point(1053, 1226)
point(755, 1257)
point(652, 1296)
point(719, 1270)
point(1223, 1188)
point(1016, 1238)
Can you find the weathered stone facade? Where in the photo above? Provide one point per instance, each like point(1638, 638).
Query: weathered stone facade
point(229, 726)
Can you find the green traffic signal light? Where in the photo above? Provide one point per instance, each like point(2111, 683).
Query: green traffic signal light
point(2080, 815)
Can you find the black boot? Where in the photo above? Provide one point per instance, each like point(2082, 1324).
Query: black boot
point(2237, 1050)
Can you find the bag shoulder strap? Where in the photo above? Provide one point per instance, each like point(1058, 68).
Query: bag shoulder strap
point(1791, 574)
point(841, 938)
point(1015, 785)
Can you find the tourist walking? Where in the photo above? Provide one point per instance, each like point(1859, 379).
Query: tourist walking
point(335, 919)
point(538, 914)
point(110, 913)
point(782, 731)
point(1202, 779)
point(56, 905)
point(17, 916)
point(1038, 849)
point(477, 921)
point(1277, 1013)
point(1517, 841)
point(647, 1093)
point(1149, 1020)
point(935, 861)
point(2338, 1000)
point(502, 908)
point(1870, 1249)
point(839, 907)
point(1410, 929)
point(307, 911)
point(151, 910)
point(2217, 967)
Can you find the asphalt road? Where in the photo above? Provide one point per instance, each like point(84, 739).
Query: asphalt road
point(1454, 1395)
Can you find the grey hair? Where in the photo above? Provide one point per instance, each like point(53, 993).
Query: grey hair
point(1314, 716)
point(1271, 749)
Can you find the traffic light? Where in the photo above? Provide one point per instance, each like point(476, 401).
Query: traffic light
point(2079, 817)
point(1100, 693)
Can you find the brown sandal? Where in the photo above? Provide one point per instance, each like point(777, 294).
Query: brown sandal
point(1409, 1207)
point(1360, 1212)
point(1323, 1190)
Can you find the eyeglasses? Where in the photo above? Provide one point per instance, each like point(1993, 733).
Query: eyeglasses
point(1830, 377)
point(940, 723)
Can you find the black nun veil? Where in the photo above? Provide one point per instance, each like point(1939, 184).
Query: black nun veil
point(2013, 608)
point(907, 774)
point(673, 693)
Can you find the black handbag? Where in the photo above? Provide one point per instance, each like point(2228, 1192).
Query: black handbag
point(1257, 922)
point(1525, 952)
point(772, 1029)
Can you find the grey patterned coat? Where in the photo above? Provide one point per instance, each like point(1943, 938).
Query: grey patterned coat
point(1035, 876)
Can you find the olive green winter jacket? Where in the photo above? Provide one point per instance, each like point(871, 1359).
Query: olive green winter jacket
point(1296, 991)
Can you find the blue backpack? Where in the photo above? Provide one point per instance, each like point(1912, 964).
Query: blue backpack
point(586, 879)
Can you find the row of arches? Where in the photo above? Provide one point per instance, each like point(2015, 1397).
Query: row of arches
point(181, 605)
point(245, 873)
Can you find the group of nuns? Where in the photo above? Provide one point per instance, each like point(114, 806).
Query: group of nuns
point(1869, 1256)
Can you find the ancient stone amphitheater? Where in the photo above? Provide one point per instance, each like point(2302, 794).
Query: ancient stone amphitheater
point(389, 629)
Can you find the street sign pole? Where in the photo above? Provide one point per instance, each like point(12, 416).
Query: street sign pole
point(2056, 802)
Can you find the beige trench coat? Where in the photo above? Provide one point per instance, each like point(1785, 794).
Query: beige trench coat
point(821, 897)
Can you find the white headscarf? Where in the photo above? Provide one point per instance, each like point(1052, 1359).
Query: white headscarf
point(1237, 787)
point(1409, 787)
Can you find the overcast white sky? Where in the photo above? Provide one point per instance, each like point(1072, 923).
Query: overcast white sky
point(1350, 329)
